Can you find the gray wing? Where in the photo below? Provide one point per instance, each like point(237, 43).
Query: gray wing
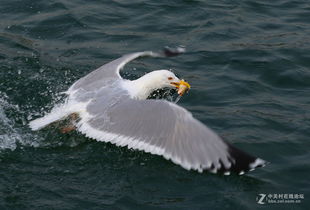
point(108, 71)
point(163, 128)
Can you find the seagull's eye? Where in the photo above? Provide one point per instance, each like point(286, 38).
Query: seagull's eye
point(170, 78)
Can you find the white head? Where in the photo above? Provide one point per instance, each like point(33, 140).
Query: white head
point(161, 79)
point(145, 85)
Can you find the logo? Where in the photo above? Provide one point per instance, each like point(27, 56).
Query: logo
point(274, 198)
point(260, 200)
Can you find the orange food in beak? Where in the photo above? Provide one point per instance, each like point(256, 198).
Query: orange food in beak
point(182, 86)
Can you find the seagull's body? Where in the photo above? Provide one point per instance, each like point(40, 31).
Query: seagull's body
point(113, 109)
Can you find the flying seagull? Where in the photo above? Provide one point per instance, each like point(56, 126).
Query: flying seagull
point(106, 107)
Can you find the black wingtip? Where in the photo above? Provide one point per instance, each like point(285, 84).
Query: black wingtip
point(242, 162)
point(171, 52)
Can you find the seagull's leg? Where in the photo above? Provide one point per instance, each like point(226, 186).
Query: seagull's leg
point(71, 124)
point(67, 129)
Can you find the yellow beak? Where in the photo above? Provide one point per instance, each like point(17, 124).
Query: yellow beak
point(182, 86)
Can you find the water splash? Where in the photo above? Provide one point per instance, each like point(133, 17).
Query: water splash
point(8, 135)
point(12, 129)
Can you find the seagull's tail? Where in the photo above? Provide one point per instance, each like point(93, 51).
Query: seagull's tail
point(56, 114)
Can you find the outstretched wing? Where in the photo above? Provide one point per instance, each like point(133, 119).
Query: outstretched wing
point(109, 70)
point(163, 128)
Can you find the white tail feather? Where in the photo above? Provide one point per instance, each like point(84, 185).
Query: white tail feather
point(55, 115)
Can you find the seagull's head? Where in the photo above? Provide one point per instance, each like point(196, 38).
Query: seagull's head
point(167, 79)
point(145, 85)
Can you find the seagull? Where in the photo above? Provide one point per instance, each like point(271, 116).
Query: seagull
point(106, 107)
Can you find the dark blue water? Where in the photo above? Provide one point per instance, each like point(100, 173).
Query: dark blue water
point(249, 66)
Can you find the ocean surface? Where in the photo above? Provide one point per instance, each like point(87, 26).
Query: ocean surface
point(249, 66)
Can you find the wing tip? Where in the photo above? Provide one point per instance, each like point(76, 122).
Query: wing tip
point(234, 169)
point(240, 164)
point(171, 52)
